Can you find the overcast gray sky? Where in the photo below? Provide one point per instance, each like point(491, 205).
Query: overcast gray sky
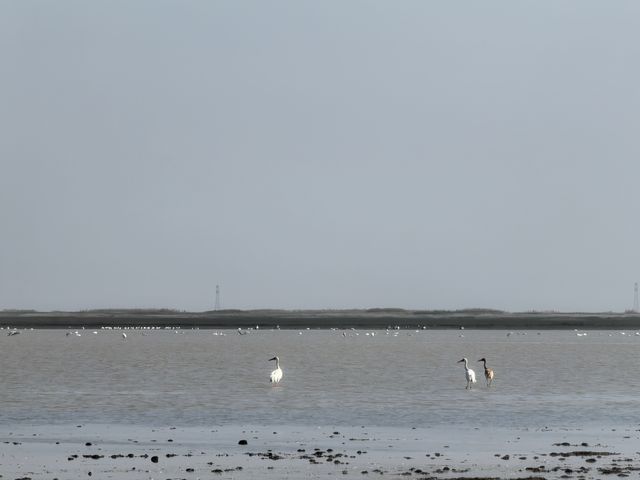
point(323, 154)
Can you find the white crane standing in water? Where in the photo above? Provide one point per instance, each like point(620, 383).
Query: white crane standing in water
point(488, 372)
point(470, 374)
point(276, 375)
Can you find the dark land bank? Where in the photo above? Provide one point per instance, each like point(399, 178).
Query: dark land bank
point(378, 318)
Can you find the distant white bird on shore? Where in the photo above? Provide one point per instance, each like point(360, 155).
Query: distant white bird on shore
point(469, 374)
point(12, 333)
point(124, 336)
point(276, 375)
point(488, 372)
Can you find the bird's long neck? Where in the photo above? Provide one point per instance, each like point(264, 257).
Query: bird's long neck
point(466, 365)
point(277, 364)
point(485, 364)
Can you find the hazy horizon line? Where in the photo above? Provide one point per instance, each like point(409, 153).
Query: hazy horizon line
point(486, 310)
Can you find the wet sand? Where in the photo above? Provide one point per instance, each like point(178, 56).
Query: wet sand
point(244, 452)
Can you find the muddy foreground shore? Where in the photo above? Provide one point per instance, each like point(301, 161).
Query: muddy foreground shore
point(132, 452)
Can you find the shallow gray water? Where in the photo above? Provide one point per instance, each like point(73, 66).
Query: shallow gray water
point(196, 378)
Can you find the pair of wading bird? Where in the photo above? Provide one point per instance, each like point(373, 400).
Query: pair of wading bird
point(276, 375)
point(471, 375)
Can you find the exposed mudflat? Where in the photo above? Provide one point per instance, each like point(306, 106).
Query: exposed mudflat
point(127, 452)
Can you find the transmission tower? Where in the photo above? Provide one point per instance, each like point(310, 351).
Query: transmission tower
point(635, 297)
point(217, 305)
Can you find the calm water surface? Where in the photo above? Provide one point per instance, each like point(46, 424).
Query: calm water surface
point(196, 378)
